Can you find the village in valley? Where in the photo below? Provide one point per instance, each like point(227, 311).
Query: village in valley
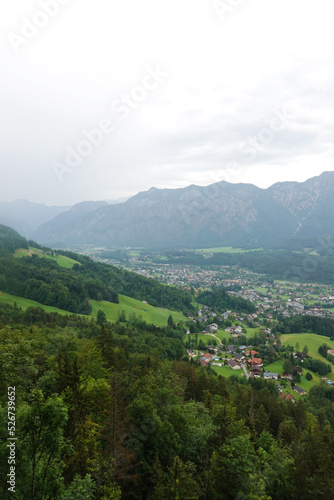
point(249, 346)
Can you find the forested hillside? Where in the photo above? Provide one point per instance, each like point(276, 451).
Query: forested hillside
point(299, 323)
point(46, 282)
point(40, 278)
point(219, 300)
point(135, 286)
point(118, 412)
point(10, 241)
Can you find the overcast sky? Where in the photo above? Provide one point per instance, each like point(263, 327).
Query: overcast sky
point(184, 91)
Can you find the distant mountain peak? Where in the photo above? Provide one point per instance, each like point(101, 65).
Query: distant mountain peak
point(221, 214)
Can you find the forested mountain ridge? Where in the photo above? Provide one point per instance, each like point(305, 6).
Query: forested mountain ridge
point(221, 214)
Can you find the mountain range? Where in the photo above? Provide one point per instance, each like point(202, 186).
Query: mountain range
point(286, 215)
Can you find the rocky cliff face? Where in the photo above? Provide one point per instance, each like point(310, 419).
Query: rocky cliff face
point(220, 214)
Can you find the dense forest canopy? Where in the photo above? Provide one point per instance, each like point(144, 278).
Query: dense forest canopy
point(299, 323)
point(118, 412)
point(219, 300)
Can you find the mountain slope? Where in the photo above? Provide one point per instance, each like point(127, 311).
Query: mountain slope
point(41, 278)
point(216, 215)
point(65, 220)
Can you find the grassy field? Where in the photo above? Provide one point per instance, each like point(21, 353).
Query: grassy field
point(250, 332)
point(277, 367)
point(312, 341)
point(226, 250)
point(221, 334)
point(150, 314)
point(60, 259)
point(260, 289)
point(226, 371)
point(206, 339)
point(25, 303)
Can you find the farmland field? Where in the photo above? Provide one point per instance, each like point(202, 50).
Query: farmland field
point(60, 259)
point(226, 371)
point(277, 367)
point(313, 342)
point(221, 334)
point(206, 339)
point(150, 314)
point(25, 303)
point(226, 250)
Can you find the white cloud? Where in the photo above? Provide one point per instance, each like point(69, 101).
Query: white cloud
point(226, 78)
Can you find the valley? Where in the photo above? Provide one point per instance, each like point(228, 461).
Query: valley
point(171, 344)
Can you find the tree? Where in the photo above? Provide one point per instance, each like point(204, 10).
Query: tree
point(287, 366)
point(180, 482)
point(232, 466)
point(42, 425)
point(80, 489)
point(170, 321)
point(308, 376)
point(101, 317)
point(305, 350)
point(122, 316)
point(323, 350)
point(201, 345)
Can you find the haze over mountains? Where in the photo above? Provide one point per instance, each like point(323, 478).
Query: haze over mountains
point(285, 214)
point(25, 216)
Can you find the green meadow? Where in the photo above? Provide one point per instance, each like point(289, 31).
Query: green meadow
point(277, 367)
point(221, 334)
point(261, 289)
point(60, 259)
point(206, 339)
point(150, 314)
point(226, 371)
point(313, 342)
point(25, 303)
point(226, 250)
point(155, 315)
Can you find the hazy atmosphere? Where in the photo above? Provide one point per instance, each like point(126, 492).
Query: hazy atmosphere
point(100, 100)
